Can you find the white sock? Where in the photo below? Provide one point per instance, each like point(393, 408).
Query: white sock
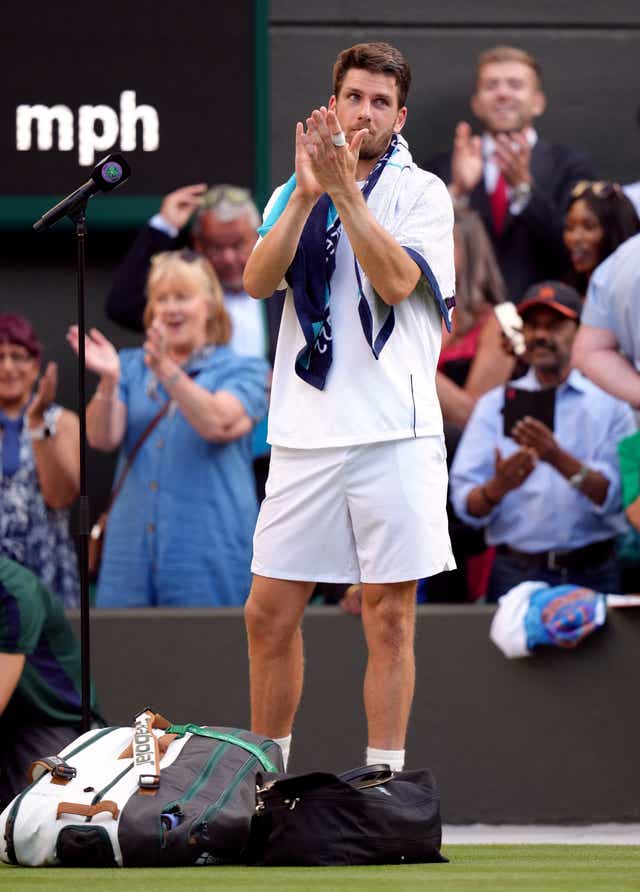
point(285, 745)
point(393, 758)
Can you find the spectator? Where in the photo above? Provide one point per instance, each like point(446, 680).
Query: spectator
point(471, 360)
point(549, 500)
point(223, 230)
point(607, 348)
point(518, 183)
point(40, 463)
point(180, 531)
point(40, 682)
point(599, 218)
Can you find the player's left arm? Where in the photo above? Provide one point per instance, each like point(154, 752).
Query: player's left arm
point(390, 270)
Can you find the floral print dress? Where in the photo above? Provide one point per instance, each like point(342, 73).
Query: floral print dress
point(33, 534)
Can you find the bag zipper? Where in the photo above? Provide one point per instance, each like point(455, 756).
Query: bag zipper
point(225, 796)
point(202, 778)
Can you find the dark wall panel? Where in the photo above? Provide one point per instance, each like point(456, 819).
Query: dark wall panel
point(591, 79)
point(546, 739)
point(462, 12)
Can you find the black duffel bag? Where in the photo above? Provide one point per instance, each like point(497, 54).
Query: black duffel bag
point(365, 816)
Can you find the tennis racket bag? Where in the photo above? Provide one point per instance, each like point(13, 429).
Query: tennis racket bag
point(366, 816)
point(152, 795)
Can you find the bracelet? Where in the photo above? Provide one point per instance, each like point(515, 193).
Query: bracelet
point(172, 379)
point(487, 497)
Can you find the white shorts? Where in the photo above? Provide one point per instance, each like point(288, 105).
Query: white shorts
point(374, 513)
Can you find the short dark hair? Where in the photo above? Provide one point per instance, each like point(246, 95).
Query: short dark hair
point(509, 54)
point(379, 58)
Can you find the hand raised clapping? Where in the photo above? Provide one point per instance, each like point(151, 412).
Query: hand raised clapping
point(45, 392)
point(533, 434)
point(100, 354)
point(322, 166)
point(512, 472)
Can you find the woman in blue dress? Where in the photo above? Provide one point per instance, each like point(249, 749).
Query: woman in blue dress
point(39, 463)
point(180, 531)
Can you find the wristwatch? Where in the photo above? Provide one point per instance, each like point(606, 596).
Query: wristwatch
point(576, 480)
point(42, 432)
point(521, 192)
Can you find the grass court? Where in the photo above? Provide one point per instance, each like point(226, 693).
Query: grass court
point(494, 868)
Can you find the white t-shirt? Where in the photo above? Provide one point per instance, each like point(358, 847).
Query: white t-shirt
point(369, 400)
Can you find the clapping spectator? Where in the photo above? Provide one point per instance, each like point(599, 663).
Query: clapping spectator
point(180, 531)
point(40, 463)
point(548, 499)
point(515, 180)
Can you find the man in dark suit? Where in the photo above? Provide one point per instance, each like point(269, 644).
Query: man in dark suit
point(223, 228)
point(517, 182)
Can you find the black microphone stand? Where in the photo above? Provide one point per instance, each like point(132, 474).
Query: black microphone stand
point(107, 175)
point(79, 217)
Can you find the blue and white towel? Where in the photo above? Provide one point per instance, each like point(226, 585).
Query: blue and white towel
point(392, 191)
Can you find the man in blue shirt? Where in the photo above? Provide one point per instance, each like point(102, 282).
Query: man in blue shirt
point(549, 499)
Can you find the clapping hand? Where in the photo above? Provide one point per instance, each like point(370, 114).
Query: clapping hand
point(155, 348)
point(100, 354)
point(533, 434)
point(513, 157)
point(466, 161)
point(332, 167)
point(512, 472)
point(44, 395)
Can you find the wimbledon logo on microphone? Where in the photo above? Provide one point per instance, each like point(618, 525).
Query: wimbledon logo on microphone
point(111, 172)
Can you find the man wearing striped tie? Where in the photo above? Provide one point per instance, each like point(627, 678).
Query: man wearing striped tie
point(517, 182)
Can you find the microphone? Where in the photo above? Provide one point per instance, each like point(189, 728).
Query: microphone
point(106, 176)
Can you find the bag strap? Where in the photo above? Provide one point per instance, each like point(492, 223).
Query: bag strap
point(252, 748)
point(88, 811)
point(61, 772)
point(115, 492)
point(146, 753)
point(367, 775)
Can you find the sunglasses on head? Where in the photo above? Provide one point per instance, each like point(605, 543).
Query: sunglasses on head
point(599, 188)
point(229, 194)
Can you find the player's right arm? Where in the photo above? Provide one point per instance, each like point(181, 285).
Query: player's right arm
point(273, 254)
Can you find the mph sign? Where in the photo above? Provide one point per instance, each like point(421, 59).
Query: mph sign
point(169, 85)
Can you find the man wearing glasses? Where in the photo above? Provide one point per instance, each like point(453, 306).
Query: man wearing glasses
point(223, 229)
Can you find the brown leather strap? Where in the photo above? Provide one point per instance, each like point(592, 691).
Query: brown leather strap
point(115, 492)
point(88, 811)
point(61, 773)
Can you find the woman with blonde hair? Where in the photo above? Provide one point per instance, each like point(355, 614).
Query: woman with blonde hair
point(180, 530)
point(472, 359)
